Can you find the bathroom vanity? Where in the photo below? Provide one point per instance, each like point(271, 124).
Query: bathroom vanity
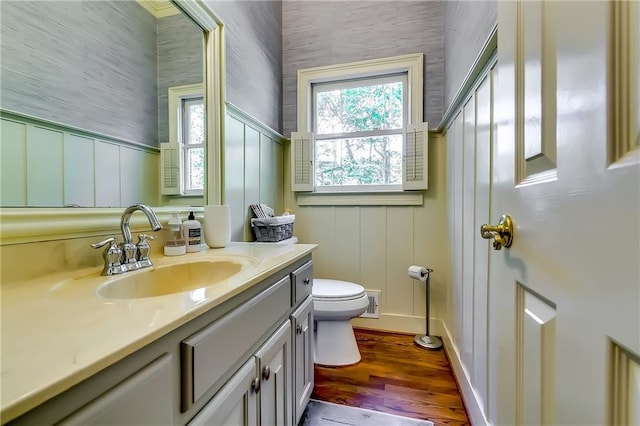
point(238, 351)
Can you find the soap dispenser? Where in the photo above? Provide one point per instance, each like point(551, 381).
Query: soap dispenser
point(175, 244)
point(192, 233)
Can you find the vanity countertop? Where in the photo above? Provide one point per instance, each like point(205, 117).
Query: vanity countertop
point(57, 333)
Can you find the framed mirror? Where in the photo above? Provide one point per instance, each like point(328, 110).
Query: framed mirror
point(86, 109)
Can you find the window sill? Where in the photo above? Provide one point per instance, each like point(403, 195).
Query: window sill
point(391, 198)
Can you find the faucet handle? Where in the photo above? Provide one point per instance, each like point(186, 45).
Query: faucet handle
point(142, 238)
point(143, 250)
point(111, 255)
point(101, 244)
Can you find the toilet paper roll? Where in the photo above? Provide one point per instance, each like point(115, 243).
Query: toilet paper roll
point(217, 225)
point(418, 272)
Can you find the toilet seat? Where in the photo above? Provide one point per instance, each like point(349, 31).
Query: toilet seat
point(336, 291)
point(335, 300)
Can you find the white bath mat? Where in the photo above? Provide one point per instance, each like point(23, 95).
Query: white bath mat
point(320, 413)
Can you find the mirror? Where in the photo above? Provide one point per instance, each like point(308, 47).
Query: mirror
point(85, 101)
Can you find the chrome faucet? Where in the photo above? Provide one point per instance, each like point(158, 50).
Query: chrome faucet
point(128, 256)
point(130, 250)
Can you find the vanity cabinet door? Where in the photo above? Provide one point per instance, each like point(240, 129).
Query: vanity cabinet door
point(147, 397)
point(303, 352)
point(236, 403)
point(274, 359)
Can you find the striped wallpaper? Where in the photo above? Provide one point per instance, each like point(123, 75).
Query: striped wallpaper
point(334, 32)
point(86, 64)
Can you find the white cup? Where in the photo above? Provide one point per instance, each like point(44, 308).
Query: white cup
point(217, 226)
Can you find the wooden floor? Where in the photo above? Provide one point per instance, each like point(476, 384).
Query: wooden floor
point(396, 377)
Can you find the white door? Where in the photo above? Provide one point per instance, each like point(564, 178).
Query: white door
point(565, 297)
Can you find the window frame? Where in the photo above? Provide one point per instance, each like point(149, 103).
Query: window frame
point(185, 146)
point(177, 95)
point(411, 64)
point(401, 77)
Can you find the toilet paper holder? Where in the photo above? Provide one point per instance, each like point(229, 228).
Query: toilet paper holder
point(425, 341)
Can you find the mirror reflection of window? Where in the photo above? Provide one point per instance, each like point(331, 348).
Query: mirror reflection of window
point(192, 121)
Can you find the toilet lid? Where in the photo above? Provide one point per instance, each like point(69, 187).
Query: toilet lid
point(336, 290)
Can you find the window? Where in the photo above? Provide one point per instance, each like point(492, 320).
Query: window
point(360, 128)
point(192, 144)
point(183, 157)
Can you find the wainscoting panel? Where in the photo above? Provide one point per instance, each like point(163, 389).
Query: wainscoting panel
point(253, 164)
point(272, 173)
point(470, 137)
point(347, 254)
point(484, 136)
point(139, 177)
point(107, 182)
point(469, 232)
point(48, 165)
point(373, 253)
point(234, 175)
point(44, 167)
point(455, 139)
point(13, 164)
point(251, 176)
point(78, 171)
point(399, 248)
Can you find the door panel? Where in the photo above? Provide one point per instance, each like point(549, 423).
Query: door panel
point(536, 347)
point(536, 70)
point(568, 286)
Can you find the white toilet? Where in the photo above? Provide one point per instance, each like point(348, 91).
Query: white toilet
point(334, 304)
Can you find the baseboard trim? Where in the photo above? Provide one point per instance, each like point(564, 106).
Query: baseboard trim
point(471, 400)
point(409, 324)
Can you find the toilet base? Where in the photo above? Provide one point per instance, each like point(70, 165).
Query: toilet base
point(335, 344)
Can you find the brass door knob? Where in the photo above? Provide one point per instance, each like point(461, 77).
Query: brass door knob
point(502, 233)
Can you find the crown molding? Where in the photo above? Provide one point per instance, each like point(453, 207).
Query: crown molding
point(159, 8)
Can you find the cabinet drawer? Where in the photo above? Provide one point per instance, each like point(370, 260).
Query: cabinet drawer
point(302, 282)
point(211, 352)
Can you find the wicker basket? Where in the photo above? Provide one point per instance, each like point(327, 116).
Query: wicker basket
point(273, 229)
